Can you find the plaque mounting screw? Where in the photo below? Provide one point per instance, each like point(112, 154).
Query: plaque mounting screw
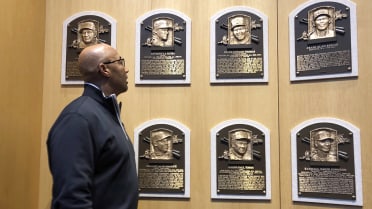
point(350, 133)
point(217, 134)
point(298, 134)
point(296, 16)
point(347, 8)
point(217, 75)
point(217, 21)
point(263, 134)
point(297, 73)
point(262, 74)
point(348, 68)
point(141, 75)
point(184, 22)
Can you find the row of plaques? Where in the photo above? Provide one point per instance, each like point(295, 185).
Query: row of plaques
point(322, 43)
point(326, 164)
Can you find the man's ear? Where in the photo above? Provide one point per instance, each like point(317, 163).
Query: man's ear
point(104, 70)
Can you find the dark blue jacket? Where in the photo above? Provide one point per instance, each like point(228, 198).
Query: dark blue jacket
point(91, 157)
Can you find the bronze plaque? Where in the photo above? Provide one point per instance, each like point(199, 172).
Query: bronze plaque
point(161, 160)
point(163, 48)
point(81, 32)
point(323, 38)
point(241, 166)
point(239, 46)
point(325, 164)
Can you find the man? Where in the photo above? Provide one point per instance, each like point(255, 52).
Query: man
point(323, 145)
point(240, 30)
point(91, 157)
point(321, 24)
point(161, 35)
point(161, 144)
point(240, 145)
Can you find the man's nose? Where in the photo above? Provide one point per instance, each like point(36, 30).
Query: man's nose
point(126, 69)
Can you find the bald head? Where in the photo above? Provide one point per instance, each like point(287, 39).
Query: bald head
point(103, 66)
point(91, 57)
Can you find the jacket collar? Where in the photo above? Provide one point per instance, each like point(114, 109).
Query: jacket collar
point(110, 102)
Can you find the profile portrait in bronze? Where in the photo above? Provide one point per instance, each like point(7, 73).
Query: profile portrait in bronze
point(161, 144)
point(239, 29)
point(324, 145)
point(240, 146)
point(162, 32)
point(321, 22)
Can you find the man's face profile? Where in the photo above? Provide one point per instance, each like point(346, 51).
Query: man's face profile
point(162, 144)
point(162, 33)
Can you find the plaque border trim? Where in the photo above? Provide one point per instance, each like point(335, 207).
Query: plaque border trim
point(186, 131)
point(357, 162)
point(139, 20)
point(353, 37)
point(212, 64)
point(213, 133)
point(67, 21)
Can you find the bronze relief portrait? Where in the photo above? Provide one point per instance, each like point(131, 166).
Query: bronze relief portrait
point(239, 29)
point(324, 145)
point(240, 144)
point(321, 22)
